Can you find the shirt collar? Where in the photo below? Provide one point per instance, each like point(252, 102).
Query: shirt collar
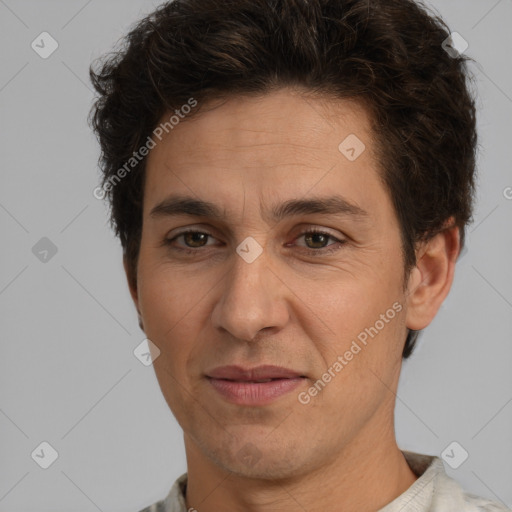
point(418, 498)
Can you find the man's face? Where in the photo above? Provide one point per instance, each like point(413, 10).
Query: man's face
point(301, 304)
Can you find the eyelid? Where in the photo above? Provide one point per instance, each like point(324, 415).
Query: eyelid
point(320, 230)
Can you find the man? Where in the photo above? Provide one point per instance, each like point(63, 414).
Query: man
point(290, 181)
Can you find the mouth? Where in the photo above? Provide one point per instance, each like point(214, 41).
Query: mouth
point(256, 374)
point(254, 386)
point(253, 381)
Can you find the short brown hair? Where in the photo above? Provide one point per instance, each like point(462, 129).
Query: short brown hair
point(389, 54)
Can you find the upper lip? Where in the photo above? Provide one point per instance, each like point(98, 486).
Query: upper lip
point(249, 374)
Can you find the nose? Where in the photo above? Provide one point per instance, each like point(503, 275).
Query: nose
point(253, 298)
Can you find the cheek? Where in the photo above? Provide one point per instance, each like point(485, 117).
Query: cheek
point(160, 307)
point(364, 321)
point(169, 309)
point(165, 295)
point(361, 360)
point(347, 306)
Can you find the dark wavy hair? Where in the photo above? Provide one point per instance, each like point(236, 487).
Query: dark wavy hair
point(389, 54)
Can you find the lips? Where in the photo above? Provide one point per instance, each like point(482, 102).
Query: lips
point(254, 386)
point(259, 373)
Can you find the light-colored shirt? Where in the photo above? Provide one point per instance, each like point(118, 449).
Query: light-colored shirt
point(433, 491)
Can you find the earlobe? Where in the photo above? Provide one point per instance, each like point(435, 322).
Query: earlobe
point(430, 281)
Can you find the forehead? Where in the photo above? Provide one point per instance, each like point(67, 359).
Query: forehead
point(285, 116)
point(281, 142)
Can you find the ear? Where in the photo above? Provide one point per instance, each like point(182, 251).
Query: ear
point(432, 277)
point(132, 285)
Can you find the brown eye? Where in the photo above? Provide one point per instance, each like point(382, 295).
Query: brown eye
point(195, 238)
point(189, 241)
point(316, 240)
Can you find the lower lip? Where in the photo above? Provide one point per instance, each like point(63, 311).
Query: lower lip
point(254, 393)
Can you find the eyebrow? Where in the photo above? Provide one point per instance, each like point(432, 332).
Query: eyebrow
point(333, 205)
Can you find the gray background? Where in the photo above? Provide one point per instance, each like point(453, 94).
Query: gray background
point(68, 374)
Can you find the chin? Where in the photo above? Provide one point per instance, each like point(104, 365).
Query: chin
point(263, 470)
point(259, 461)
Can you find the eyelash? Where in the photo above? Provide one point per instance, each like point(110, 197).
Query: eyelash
point(313, 252)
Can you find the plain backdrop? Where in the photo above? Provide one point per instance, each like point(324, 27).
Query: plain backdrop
point(68, 374)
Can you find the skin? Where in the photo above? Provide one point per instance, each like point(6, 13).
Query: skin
point(288, 308)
